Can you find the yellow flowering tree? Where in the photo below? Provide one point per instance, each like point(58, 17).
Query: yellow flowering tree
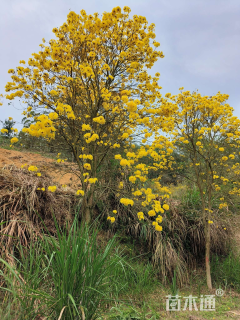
point(207, 135)
point(91, 88)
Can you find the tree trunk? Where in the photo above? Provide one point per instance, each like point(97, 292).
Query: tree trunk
point(207, 255)
point(86, 215)
point(87, 209)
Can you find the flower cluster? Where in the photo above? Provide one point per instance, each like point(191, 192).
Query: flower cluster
point(52, 188)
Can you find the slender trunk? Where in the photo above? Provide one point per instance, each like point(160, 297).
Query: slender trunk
point(207, 255)
point(86, 215)
point(207, 234)
point(208, 228)
point(87, 209)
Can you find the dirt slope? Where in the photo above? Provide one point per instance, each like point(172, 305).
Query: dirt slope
point(62, 173)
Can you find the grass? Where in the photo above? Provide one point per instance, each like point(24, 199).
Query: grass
point(154, 307)
point(71, 276)
point(226, 271)
point(45, 282)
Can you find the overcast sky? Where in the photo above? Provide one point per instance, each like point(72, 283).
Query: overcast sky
point(199, 38)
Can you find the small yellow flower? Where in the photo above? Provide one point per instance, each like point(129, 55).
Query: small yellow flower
point(52, 188)
point(124, 162)
point(92, 180)
point(126, 201)
point(158, 227)
point(32, 168)
point(140, 215)
point(81, 192)
point(166, 206)
point(132, 179)
point(87, 166)
point(159, 219)
point(151, 213)
point(111, 219)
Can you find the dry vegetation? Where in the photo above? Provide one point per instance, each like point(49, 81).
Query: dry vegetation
point(27, 211)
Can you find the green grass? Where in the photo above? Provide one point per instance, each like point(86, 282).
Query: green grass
point(70, 275)
point(226, 271)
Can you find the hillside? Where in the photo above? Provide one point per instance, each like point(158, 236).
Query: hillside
point(62, 173)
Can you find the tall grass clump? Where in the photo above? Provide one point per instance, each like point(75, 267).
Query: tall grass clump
point(226, 271)
point(67, 277)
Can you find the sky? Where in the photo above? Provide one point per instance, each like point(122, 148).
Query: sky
point(199, 38)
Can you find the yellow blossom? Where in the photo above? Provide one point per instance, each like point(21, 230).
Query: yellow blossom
point(140, 215)
point(80, 192)
point(111, 219)
point(158, 227)
point(126, 201)
point(166, 206)
point(124, 162)
point(52, 188)
point(14, 140)
point(87, 166)
point(151, 213)
point(32, 168)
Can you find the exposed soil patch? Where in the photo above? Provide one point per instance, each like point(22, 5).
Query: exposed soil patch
point(63, 173)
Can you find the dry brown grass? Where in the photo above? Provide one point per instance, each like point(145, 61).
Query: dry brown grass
point(24, 210)
point(181, 244)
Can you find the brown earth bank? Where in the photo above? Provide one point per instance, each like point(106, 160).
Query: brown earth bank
point(62, 173)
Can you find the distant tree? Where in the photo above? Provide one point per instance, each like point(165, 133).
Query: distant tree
point(8, 129)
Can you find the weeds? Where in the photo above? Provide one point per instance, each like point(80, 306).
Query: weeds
point(70, 275)
point(67, 273)
point(226, 271)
